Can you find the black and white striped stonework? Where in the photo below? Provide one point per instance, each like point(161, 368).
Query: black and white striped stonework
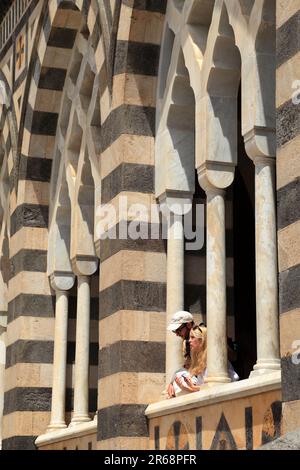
point(31, 305)
point(288, 198)
point(130, 354)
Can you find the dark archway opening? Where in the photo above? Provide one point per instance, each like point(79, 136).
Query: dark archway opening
point(244, 258)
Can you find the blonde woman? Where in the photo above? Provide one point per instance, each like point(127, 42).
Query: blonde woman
point(191, 380)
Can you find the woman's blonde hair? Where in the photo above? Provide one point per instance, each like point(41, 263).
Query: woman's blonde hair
point(199, 358)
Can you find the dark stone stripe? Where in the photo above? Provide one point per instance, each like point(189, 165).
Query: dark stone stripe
point(123, 421)
point(26, 351)
point(19, 443)
point(287, 122)
point(289, 292)
point(158, 6)
point(66, 5)
point(52, 78)
point(31, 305)
point(62, 38)
point(44, 123)
point(39, 399)
point(132, 295)
point(249, 428)
point(136, 57)
point(29, 215)
point(127, 119)
point(288, 204)
point(290, 377)
point(41, 352)
point(132, 356)
point(35, 169)
point(198, 425)
point(127, 177)
point(288, 39)
point(109, 246)
point(156, 438)
point(43, 306)
point(29, 260)
point(27, 399)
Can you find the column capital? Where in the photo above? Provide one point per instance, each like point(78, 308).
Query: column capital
point(177, 202)
point(214, 178)
point(61, 280)
point(260, 142)
point(84, 265)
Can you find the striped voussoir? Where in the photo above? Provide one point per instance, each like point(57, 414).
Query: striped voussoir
point(288, 196)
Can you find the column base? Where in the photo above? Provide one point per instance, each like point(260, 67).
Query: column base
point(265, 367)
point(216, 380)
point(56, 427)
point(79, 420)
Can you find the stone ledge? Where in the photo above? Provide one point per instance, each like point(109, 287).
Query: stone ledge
point(216, 394)
point(73, 432)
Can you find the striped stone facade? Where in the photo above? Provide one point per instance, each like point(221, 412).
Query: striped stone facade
point(77, 130)
point(288, 129)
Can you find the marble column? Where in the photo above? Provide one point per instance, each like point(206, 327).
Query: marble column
point(81, 385)
point(59, 362)
point(216, 288)
point(175, 291)
point(268, 357)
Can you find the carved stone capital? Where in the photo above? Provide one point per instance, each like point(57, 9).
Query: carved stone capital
point(214, 177)
point(176, 202)
point(84, 265)
point(260, 142)
point(61, 280)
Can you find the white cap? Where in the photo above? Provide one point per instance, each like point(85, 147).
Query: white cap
point(179, 318)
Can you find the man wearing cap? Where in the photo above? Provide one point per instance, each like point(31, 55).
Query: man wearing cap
point(181, 324)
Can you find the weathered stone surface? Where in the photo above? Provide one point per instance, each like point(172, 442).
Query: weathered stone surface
point(122, 420)
point(290, 441)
